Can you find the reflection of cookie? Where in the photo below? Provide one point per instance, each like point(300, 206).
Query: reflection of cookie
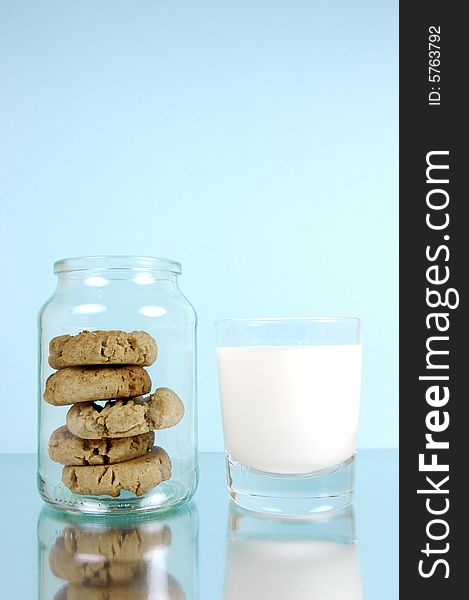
point(82, 384)
point(137, 475)
point(159, 585)
point(124, 418)
point(117, 543)
point(93, 571)
point(67, 449)
point(102, 348)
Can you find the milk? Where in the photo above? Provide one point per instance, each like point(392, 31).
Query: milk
point(290, 409)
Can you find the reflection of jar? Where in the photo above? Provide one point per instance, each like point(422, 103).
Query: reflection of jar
point(83, 558)
point(281, 559)
point(111, 392)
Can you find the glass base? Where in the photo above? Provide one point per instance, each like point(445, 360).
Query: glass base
point(167, 496)
point(325, 491)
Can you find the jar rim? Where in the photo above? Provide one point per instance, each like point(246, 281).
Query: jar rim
point(118, 262)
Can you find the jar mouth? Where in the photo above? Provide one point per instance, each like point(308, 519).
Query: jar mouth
point(117, 262)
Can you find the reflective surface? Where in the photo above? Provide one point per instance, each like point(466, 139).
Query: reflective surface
point(208, 550)
point(280, 558)
point(83, 558)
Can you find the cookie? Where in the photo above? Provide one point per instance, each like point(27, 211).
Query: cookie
point(91, 570)
point(124, 418)
point(159, 585)
point(67, 449)
point(137, 475)
point(165, 409)
point(118, 543)
point(102, 348)
point(82, 384)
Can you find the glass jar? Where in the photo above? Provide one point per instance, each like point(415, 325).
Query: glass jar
point(97, 406)
point(142, 557)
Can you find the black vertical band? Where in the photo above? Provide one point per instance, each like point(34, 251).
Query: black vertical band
point(434, 261)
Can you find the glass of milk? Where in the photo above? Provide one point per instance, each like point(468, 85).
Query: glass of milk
point(290, 395)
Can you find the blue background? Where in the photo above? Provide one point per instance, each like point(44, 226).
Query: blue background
point(254, 141)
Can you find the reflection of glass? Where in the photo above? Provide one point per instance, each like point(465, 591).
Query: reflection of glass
point(286, 559)
point(290, 394)
point(115, 559)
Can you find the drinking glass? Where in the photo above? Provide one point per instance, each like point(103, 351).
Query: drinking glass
point(290, 394)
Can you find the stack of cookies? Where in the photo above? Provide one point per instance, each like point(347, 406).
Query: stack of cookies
point(107, 563)
point(106, 448)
